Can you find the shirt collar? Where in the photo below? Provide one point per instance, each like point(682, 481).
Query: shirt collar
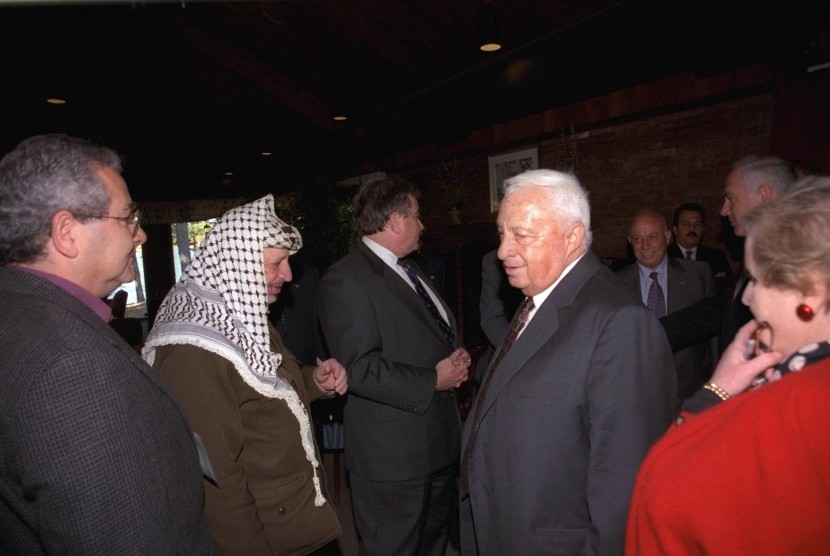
point(540, 297)
point(99, 307)
point(662, 270)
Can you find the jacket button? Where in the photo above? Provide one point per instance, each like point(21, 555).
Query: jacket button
point(282, 510)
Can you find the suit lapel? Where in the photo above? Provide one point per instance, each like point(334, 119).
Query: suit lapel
point(678, 281)
point(541, 328)
point(406, 293)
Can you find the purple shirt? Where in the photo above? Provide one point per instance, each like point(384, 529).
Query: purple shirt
point(99, 307)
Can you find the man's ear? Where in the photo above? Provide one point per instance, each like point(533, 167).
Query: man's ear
point(764, 192)
point(574, 237)
point(64, 234)
point(393, 223)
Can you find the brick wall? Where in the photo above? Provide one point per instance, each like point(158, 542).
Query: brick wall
point(651, 162)
point(660, 162)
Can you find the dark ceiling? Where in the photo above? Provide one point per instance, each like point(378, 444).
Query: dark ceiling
point(187, 91)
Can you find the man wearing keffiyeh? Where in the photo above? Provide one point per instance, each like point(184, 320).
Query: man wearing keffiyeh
point(244, 393)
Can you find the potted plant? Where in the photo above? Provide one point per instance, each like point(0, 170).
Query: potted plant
point(454, 187)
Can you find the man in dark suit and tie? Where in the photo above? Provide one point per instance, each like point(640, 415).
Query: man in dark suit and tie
point(667, 285)
point(397, 338)
point(689, 224)
point(754, 179)
point(583, 383)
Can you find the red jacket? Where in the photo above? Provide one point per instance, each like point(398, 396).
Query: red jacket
point(749, 476)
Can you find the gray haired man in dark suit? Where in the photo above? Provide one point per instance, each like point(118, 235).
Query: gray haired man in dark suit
point(581, 386)
point(97, 455)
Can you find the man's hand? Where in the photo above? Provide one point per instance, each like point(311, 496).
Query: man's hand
point(331, 375)
point(453, 370)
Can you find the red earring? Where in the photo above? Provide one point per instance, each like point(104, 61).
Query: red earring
point(805, 312)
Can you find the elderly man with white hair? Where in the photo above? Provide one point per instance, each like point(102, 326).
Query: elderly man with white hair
point(580, 387)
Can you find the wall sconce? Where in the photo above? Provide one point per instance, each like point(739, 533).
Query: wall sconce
point(488, 27)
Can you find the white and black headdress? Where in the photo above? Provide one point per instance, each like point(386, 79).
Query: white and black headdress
point(220, 304)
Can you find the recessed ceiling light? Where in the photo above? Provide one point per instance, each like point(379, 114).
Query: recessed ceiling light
point(266, 153)
point(228, 173)
point(56, 100)
point(490, 47)
point(341, 118)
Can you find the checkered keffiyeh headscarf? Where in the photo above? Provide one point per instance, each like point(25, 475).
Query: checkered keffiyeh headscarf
point(220, 304)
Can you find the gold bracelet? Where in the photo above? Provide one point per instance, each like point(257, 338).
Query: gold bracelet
point(717, 390)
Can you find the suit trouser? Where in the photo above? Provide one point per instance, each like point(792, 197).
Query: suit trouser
point(404, 517)
point(469, 545)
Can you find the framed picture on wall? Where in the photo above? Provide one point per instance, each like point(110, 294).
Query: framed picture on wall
point(503, 166)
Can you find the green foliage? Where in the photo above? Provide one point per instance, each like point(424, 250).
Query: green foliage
point(453, 184)
point(323, 213)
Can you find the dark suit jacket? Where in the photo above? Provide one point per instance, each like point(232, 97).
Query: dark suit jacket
point(499, 300)
point(721, 269)
point(397, 426)
point(97, 457)
point(736, 314)
point(688, 283)
point(294, 313)
point(566, 420)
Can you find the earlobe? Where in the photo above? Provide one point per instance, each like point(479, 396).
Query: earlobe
point(64, 234)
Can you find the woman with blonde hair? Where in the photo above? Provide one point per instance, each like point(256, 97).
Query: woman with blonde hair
point(752, 474)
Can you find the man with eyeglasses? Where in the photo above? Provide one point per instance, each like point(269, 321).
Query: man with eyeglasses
point(97, 455)
point(666, 285)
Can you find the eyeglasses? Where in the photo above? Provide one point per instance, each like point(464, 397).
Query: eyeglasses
point(650, 238)
point(133, 220)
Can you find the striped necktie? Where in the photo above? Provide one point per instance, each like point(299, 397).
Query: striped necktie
point(422, 293)
point(656, 300)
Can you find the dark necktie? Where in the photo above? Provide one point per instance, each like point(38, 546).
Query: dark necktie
point(422, 293)
point(689, 256)
point(516, 326)
point(656, 300)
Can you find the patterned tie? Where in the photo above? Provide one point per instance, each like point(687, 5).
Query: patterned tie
point(656, 300)
point(516, 326)
point(689, 256)
point(422, 293)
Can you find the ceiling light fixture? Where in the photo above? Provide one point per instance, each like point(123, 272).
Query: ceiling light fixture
point(340, 118)
point(266, 153)
point(55, 100)
point(489, 28)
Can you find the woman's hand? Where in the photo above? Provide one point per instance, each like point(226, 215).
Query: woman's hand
point(735, 373)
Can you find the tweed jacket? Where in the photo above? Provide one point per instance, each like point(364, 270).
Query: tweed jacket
point(96, 456)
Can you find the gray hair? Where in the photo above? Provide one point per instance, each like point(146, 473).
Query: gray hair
point(567, 197)
point(787, 248)
point(757, 169)
point(41, 176)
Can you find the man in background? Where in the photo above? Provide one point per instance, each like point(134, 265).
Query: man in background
point(753, 180)
point(666, 285)
point(689, 225)
point(97, 455)
point(382, 318)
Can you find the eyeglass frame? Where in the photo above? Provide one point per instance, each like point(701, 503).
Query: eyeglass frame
point(134, 219)
point(654, 237)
